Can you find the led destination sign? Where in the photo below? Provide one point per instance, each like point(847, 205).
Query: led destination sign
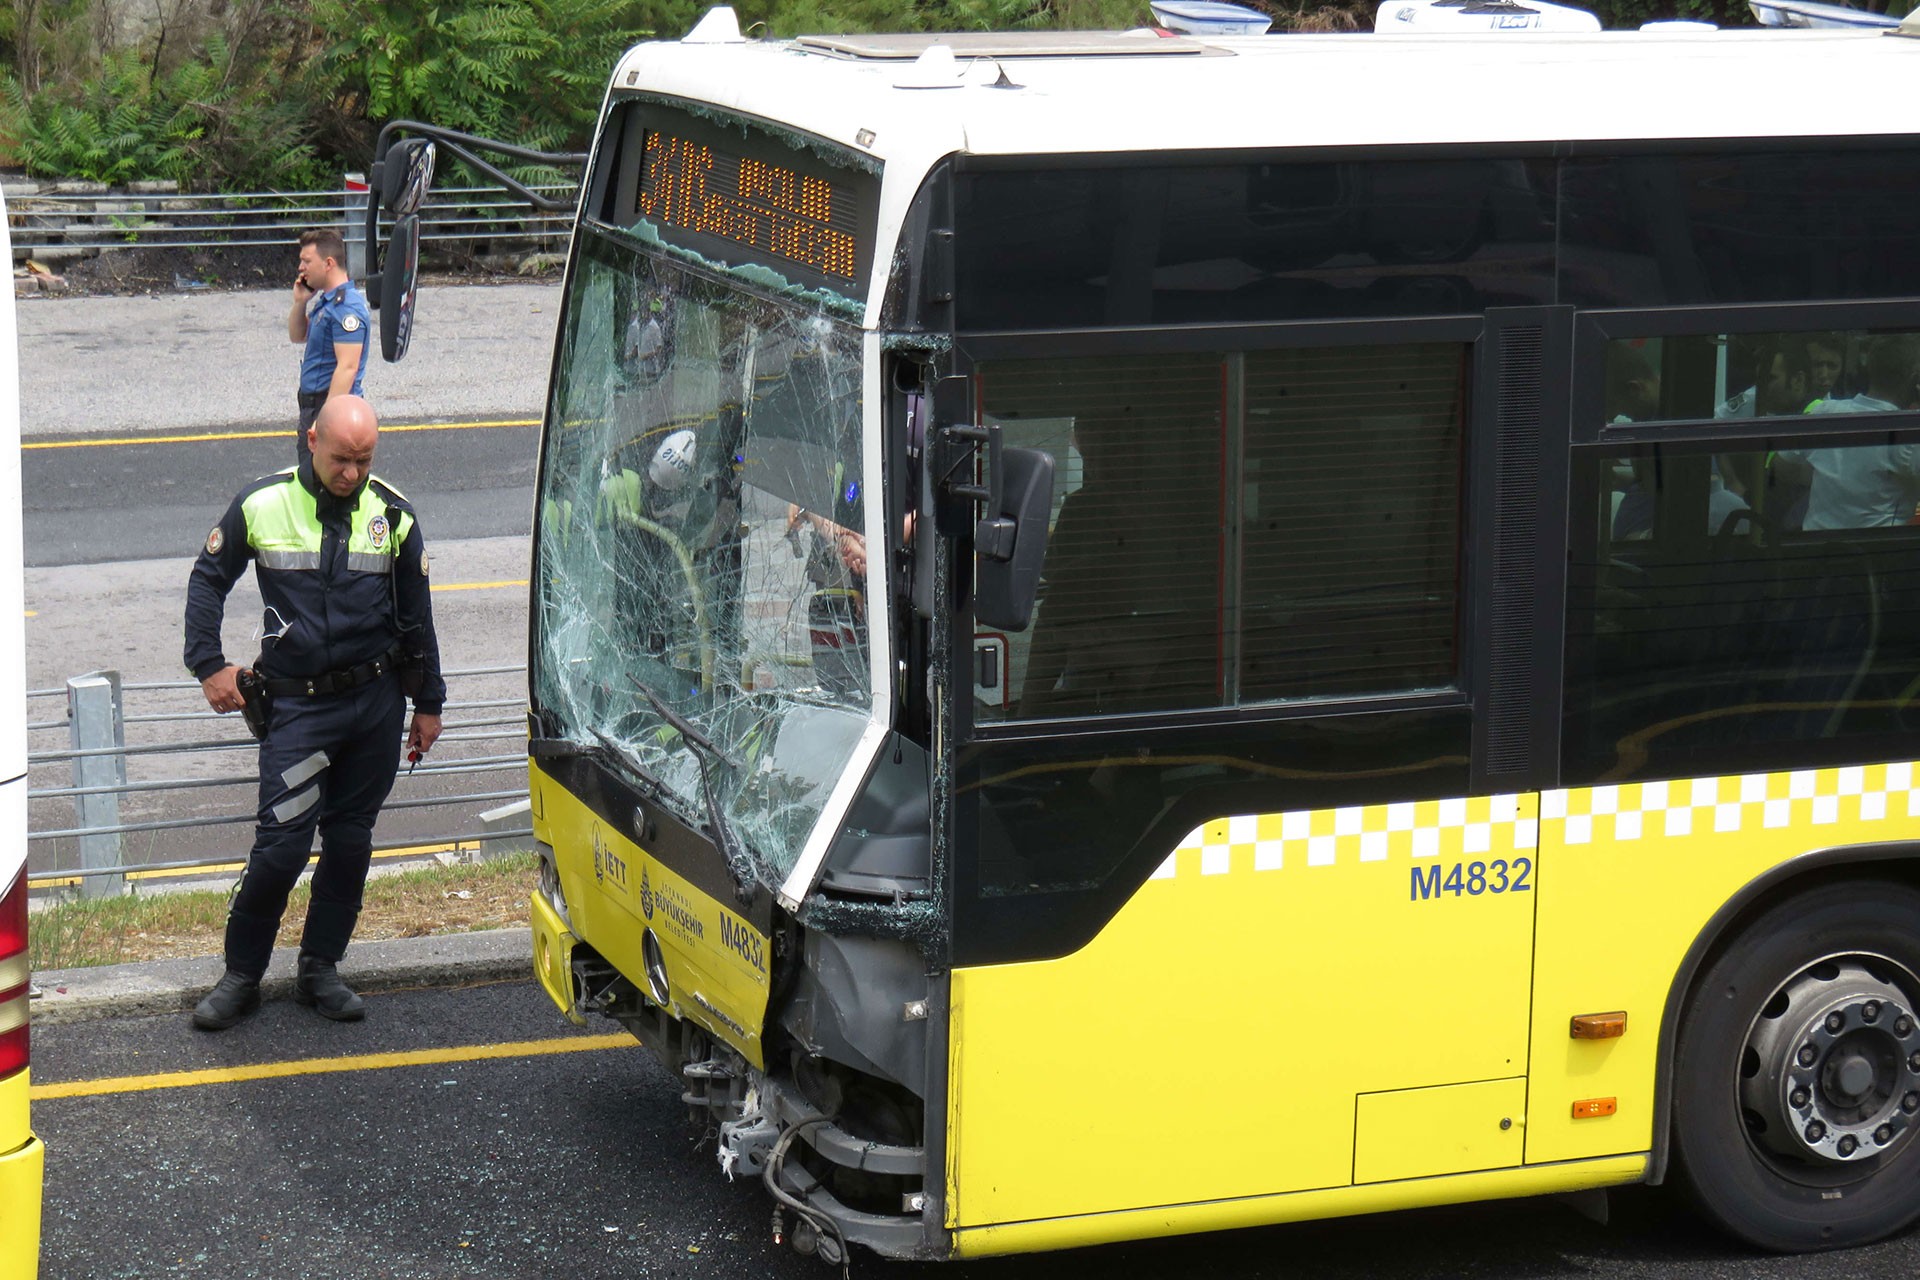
point(744, 198)
point(750, 202)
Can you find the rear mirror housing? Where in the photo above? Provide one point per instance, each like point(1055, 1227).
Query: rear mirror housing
point(1010, 534)
point(405, 175)
point(1010, 542)
point(399, 286)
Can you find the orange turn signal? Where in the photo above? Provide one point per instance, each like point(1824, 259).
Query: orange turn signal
point(1592, 1108)
point(1598, 1026)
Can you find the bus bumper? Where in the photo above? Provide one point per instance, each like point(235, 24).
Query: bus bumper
point(20, 1182)
point(553, 945)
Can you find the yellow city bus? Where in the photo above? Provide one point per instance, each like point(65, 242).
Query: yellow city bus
point(1134, 635)
point(21, 1155)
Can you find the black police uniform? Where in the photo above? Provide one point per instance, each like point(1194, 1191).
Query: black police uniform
point(344, 582)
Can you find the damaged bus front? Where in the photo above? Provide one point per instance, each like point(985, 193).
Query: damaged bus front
point(733, 824)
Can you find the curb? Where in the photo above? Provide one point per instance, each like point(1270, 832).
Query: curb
point(158, 987)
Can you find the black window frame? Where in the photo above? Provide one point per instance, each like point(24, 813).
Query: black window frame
point(1594, 330)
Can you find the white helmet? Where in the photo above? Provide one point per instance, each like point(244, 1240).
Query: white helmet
point(672, 464)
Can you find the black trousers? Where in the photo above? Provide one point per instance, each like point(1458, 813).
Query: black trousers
point(326, 763)
point(310, 402)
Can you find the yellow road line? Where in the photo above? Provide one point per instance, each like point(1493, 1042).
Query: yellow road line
point(324, 1066)
point(57, 881)
point(207, 436)
point(477, 586)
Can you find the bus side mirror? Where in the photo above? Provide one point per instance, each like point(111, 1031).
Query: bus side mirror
point(399, 285)
point(1011, 541)
point(404, 175)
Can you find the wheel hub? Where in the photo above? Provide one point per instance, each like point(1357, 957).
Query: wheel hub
point(1834, 1066)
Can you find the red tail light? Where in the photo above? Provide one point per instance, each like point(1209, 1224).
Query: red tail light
point(14, 1052)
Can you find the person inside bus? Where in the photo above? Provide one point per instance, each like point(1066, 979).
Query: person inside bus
point(1633, 386)
point(1633, 395)
point(1782, 373)
point(1864, 486)
point(1827, 357)
point(1783, 381)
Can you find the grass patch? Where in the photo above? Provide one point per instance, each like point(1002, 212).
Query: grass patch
point(415, 903)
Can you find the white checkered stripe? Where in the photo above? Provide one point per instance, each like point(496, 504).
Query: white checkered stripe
point(1749, 803)
point(1496, 826)
point(1489, 825)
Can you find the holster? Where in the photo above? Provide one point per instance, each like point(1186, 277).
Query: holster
point(256, 703)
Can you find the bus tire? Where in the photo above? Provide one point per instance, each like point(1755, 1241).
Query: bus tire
point(1796, 1095)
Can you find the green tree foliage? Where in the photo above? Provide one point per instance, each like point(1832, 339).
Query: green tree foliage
point(528, 71)
point(202, 100)
point(198, 124)
point(111, 130)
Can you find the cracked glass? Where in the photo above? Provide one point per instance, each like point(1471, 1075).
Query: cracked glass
point(699, 551)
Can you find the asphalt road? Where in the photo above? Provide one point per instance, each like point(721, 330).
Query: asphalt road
point(579, 1164)
point(93, 499)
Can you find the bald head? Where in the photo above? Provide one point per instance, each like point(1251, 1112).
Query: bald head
point(343, 437)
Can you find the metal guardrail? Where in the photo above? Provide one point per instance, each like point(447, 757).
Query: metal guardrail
point(97, 720)
point(139, 218)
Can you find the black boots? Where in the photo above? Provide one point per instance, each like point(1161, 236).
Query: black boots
point(319, 984)
point(234, 997)
point(237, 994)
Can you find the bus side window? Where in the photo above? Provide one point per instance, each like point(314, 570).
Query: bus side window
point(1309, 550)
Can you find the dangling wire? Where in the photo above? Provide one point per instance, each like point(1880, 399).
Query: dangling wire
point(770, 1177)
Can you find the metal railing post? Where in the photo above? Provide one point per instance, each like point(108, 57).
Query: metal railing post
point(496, 822)
point(95, 722)
point(356, 227)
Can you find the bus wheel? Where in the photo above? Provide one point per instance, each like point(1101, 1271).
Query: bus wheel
point(1796, 1094)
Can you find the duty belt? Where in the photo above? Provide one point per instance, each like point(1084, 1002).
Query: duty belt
point(312, 399)
point(327, 683)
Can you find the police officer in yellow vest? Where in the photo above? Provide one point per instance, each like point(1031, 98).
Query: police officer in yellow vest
point(348, 637)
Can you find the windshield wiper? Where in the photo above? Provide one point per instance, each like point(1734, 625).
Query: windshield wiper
point(680, 723)
point(739, 863)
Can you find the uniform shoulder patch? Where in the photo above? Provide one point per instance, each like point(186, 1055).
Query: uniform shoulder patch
point(215, 540)
point(350, 322)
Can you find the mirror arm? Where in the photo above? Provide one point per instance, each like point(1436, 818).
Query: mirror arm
point(463, 145)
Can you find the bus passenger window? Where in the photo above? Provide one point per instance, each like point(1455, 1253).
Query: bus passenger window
point(1128, 617)
point(1350, 516)
point(1308, 550)
point(1729, 620)
point(1722, 377)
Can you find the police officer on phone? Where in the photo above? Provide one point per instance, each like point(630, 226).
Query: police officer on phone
point(331, 317)
point(347, 639)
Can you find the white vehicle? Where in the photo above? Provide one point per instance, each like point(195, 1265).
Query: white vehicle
point(21, 1156)
point(1434, 17)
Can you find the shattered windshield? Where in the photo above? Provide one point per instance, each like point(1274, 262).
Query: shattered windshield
point(699, 551)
